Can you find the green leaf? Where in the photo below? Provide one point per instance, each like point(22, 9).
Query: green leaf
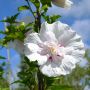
point(21, 8)
point(3, 64)
point(29, 25)
point(45, 8)
point(11, 19)
point(36, 3)
point(54, 18)
point(17, 81)
point(49, 81)
point(46, 2)
point(2, 32)
point(1, 57)
point(31, 64)
point(61, 87)
point(50, 19)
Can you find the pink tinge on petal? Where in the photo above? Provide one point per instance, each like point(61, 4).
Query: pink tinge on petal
point(58, 55)
point(61, 45)
point(43, 52)
point(55, 57)
point(50, 58)
point(41, 45)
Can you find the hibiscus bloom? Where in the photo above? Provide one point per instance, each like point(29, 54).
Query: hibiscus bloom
point(62, 3)
point(57, 48)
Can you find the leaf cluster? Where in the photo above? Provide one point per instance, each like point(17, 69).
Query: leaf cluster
point(14, 30)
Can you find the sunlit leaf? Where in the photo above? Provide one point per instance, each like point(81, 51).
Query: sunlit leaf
point(21, 8)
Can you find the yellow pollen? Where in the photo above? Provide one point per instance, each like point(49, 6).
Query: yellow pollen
point(53, 50)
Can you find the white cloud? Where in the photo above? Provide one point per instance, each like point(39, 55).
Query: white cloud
point(83, 28)
point(80, 9)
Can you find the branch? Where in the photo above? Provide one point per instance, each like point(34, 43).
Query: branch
point(30, 8)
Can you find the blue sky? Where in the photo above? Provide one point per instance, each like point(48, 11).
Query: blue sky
point(8, 8)
point(78, 17)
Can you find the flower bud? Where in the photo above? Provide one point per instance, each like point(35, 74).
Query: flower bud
point(62, 3)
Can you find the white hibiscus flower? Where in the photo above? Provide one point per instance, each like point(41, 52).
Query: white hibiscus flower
point(63, 3)
point(56, 48)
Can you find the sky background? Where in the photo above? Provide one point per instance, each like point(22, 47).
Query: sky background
point(78, 17)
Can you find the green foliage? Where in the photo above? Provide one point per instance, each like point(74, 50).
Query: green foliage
point(1, 57)
point(36, 3)
point(44, 7)
point(48, 81)
point(4, 88)
point(87, 55)
point(46, 2)
point(1, 69)
point(14, 31)
point(3, 82)
point(59, 87)
point(21, 8)
point(28, 74)
point(51, 19)
point(11, 19)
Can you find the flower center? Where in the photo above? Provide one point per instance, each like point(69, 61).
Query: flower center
point(53, 50)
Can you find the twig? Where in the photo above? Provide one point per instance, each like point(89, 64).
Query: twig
point(30, 8)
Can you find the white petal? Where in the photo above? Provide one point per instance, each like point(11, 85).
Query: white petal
point(76, 38)
point(76, 45)
point(48, 36)
point(31, 47)
point(78, 54)
point(57, 28)
point(46, 27)
point(32, 38)
point(66, 36)
point(37, 57)
point(68, 50)
point(68, 63)
point(52, 69)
